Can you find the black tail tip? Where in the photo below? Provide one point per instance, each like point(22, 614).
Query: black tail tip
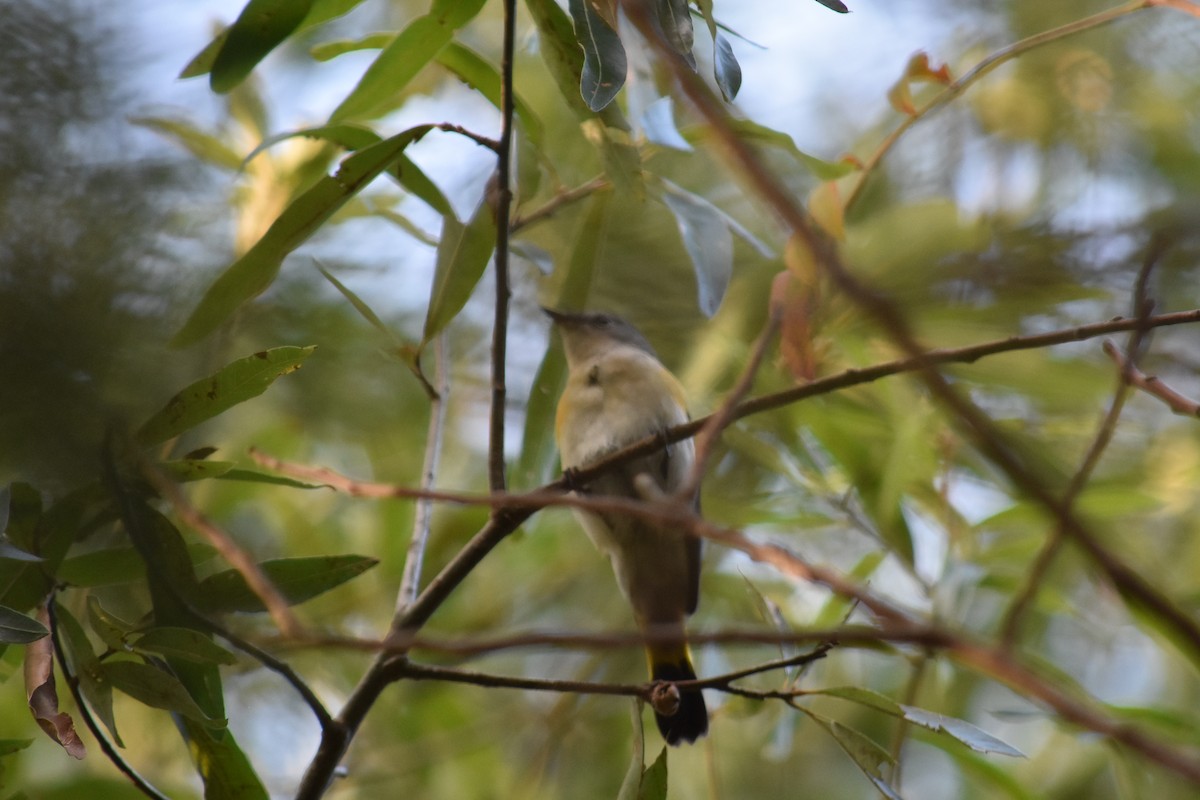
point(690, 720)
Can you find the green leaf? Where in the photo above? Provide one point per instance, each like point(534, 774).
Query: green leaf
point(195, 469)
point(364, 310)
point(117, 565)
point(462, 256)
point(184, 643)
point(837, 607)
point(475, 71)
point(708, 242)
point(604, 62)
point(654, 779)
point(251, 274)
point(632, 783)
point(203, 146)
point(958, 729)
point(726, 68)
point(326, 51)
point(252, 476)
point(92, 683)
point(259, 29)
point(17, 554)
point(222, 765)
point(112, 629)
point(404, 57)
point(155, 688)
point(17, 628)
point(297, 579)
point(201, 63)
point(863, 751)
point(234, 383)
point(835, 5)
point(10, 746)
point(675, 22)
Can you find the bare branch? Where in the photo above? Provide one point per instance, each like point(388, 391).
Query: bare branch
point(1152, 385)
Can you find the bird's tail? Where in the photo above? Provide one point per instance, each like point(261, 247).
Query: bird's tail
point(690, 720)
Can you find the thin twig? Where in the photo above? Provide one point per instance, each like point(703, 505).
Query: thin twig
point(1152, 385)
point(479, 139)
point(562, 198)
point(262, 587)
point(106, 747)
point(410, 581)
point(719, 420)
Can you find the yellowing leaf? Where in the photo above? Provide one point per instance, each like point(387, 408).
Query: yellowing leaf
point(827, 209)
point(918, 70)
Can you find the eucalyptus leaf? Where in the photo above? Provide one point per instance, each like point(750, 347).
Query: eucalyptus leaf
point(234, 383)
point(297, 579)
point(155, 688)
point(255, 271)
point(18, 628)
point(604, 61)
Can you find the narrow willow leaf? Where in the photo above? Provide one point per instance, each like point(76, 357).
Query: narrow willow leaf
point(251, 274)
point(117, 565)
point(835, 5)
point(326, 51)
point(86, 666)
point(112, 629)
point(399, 62)
point(824, 170)
point(155, 688)
point(183, 643)
point(961, 730)
point(604, 62)
point(18, 628)
point(708, 242)
point(475, 71)
point(726, 68)
point(297, 579)
point(364, 310)
point(863, 751)
point(221, 764)
point(234, 383)
point(675, 21)
point(253, 476)
point(203, 146)
point(259, 29)
point(12, 553)
point(837, 607)
point(462, 256)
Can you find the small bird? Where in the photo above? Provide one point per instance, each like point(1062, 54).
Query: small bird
point(618, 393)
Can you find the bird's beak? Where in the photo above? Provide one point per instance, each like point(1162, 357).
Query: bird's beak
point(558, 317)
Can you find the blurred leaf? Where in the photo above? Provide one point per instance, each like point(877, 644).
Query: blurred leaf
point(462, 256)
point(194, 469)
point(823, 170)
point(18, 628)
point(117, 565)
point(981, 772)
point(183, 643)
point(326, 51)
point(16, 554)
point(475, 71)
point(632, 784)
point(726, 68)
point(364, 310)
point(252, 476)
point(658, 122)
point(708, 242)
point(675, 22)
point(404, 57)
point(10, 746)
point(43, 698)
point(234, 383)
point(654, 779)
point(251, 274)
point(297, 579)
point(204, 146)
point(222, 765)
point(827, 209)
point(155, 688)
point(863, 751)
point(262, 25)
point(837, 607)
point(836, 5)
point(92, 684)
point(25, 584)
point(917, 70)
point(604, 63)
point(201, 63)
